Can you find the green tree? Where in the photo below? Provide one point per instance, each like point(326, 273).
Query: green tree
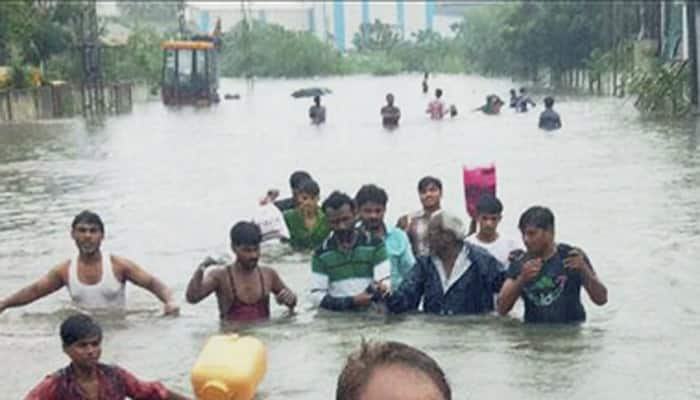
point(376, 36)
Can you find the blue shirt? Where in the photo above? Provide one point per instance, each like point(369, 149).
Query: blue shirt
point(400, 254)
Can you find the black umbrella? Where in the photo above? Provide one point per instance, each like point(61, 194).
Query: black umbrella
point(311, 92)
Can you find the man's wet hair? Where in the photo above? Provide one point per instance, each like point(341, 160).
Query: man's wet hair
point(297, 178)
point(89, 218)
point(317, 99)
point(538, 217)
point(371, 193)
point(522, 90)
point(336, 200)
point(488, 204)
point(549, 101)
point(438, 93)
point(361, 365)
point(78, 327)
point(425, 181)
point(245, 233)
point(309, 187)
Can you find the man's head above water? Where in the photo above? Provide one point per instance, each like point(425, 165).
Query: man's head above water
point(82, 339)
point(245, 243)
point(391, 371)
point(340, 213)
point(87, 217)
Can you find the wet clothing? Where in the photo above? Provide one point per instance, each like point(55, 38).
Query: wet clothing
point(285, 204)
point(401, 257)
point(398, 249)
point(240, 311)
point(114, 383)
point(317, 114)
point(522, 103)
point(338, 274)
point(499, 248)
point(475, 278)
point(554, 295)
point(390, 115)
point(417, 232)
point(436, 109)
point(302, 238)
point(549, 120)
point(108, 293)
point(513, 101)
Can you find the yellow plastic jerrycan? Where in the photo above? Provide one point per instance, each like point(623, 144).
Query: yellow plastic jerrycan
point(229, 368)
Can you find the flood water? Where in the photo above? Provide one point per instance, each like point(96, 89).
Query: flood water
point(170, 183)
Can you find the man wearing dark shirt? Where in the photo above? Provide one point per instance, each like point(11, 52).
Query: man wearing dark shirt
point(549, 276)
point(390, 113)
point(549, 119)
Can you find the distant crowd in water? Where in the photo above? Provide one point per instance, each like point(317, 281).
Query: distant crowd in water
point(437, 109)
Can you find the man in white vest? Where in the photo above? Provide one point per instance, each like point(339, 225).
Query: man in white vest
point(95, 280)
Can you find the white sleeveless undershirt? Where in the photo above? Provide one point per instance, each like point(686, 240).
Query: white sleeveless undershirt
point(108, 293)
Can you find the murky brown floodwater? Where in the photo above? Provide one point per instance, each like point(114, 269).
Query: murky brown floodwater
point(170, 183)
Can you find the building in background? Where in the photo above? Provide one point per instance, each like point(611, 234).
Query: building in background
point(333, 21)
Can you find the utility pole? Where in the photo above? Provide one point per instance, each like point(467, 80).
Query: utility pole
point(181, 17)
point(692, 12)
point(92, 90)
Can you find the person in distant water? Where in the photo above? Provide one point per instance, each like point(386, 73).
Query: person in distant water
point(371, 202)
point(523, 101)
point(513, 98)
point(391, 371)
point(288, 203)
point(306, 222)
point(489, 211)
point(493, 105)
point(350, 269)
point(425, 83)
point(453, 111)
point(390, 113)
point(456, 278)
point(416, 224)
point(436, 108)
point(242, 288)
point(86, 377)
point(549, 119)
point(549, 276)
point(96, 280)
point(317, 112)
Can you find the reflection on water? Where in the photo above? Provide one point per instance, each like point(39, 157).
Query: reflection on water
point(169, 183)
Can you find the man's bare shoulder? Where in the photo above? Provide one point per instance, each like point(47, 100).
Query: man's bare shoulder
point(61, 270)
point(217, 272)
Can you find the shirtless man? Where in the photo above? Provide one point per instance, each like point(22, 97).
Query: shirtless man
point(95, 280)
point(243, 288)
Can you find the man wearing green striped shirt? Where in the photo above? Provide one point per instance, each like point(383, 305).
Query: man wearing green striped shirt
point(350, 269)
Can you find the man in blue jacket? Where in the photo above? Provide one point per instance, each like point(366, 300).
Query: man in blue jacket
point(456, 278)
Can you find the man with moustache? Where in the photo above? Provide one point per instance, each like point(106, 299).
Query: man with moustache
point(350, 269)
point(242, 289)
point(549, 276)
point(95, 280)
point(371, 202)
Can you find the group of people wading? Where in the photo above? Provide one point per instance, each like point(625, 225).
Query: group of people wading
point(358, 262)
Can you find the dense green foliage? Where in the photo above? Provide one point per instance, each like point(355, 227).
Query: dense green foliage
point(270, 50)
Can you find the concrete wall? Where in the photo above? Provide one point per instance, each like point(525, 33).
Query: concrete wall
point(58, 102)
